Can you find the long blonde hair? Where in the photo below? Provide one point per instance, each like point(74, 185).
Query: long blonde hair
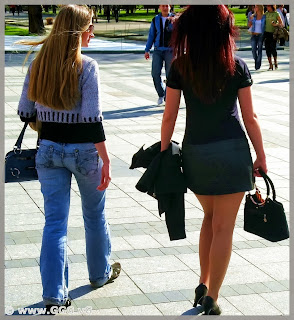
point(260, 9)
point(56, 68)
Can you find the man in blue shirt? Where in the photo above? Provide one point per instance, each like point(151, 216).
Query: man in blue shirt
point(160, 35)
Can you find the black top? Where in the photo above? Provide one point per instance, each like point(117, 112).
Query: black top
point(70, 132)
point(212, 122)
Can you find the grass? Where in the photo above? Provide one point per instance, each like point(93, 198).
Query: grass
point(16, 31)
point(142, 16)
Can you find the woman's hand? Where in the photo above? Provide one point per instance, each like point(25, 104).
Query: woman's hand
point(259, 164)
point(105, 176)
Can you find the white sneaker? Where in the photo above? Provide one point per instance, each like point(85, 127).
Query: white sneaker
point(160, 101)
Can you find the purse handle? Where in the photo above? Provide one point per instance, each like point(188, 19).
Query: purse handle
point(267, 182)
point(17, 146)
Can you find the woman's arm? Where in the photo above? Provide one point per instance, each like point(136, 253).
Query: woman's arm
point(252, 127)
point(173, 97)
point(106, 168)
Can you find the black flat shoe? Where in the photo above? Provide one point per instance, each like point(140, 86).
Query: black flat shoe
point(200, 292)
point(210, 306)
point(54, 310)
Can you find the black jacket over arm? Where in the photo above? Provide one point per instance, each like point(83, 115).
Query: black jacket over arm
point(164, 181)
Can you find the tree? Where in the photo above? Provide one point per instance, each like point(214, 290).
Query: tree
point(36, 24)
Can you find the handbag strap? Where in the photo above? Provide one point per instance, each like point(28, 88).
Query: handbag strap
point(18, 143)
point(268, 181)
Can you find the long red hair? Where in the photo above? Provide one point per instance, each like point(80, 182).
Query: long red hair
point(203, 42)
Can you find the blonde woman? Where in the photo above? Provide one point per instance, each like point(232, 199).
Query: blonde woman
point(257, 24)
point(62, 90)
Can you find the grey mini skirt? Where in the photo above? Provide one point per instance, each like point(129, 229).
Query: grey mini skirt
point(216, 168)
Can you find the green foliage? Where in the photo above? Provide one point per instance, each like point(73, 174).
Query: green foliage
point(16, 31)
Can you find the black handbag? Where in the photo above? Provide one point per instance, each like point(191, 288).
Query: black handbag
point(265, 218)
point(20, 164)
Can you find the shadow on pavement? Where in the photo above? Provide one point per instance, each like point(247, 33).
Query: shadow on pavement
point(132, 112)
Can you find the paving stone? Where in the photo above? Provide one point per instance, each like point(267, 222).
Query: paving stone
point(167, 281)
point(139, 253)
point(9, 241)
point(12, 264)
point(253, 274)
point(259, 287)
point(275, 286)
point(37, 239)
point(154, 252)
point(184, 249)
point(255, 244)
point(242, 289)
point(122, 301)
point(104, 303)
point(85, 303)
point(124, 254)
point(227, 291)
point(157, 297)
point(285, 283)
point(139, 299)
point(241, 245)
point(22, 241)
point(147, 265)
point(169, 251)
point(137, 232)
point(174, 295)
point(29, 262)
point(279, 300)
point(77, 258)
point(253, 305)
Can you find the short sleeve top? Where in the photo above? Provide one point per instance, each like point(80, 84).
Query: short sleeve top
point(207, 123)
point(269, 17)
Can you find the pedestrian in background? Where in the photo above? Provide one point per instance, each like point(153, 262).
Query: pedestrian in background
point(62, 90)
point(257, 25)
point(216, 157)
point(272, 20)
point(107, 13)
point(249, 12)
point(116, 13)
point(283, 14)
point(160, 34)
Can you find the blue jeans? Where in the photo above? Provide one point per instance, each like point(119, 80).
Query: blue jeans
point(56, 162)
point(256, 44)
point(157, 64)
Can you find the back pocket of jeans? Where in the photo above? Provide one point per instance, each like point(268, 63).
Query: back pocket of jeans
point(44, 157)
point(87, 162)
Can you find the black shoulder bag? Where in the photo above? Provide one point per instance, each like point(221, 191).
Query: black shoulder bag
point(265, 218)
point(20, 163)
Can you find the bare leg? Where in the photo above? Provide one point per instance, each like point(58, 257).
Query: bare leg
point(205, 237)
point(225, 208)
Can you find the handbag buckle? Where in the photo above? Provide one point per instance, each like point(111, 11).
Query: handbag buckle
point(264, 218)
point(15, 172)
point(16, 150)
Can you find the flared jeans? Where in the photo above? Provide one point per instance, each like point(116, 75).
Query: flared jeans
point(56, 163)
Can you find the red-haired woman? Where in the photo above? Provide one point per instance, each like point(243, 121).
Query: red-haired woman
point(216, 156)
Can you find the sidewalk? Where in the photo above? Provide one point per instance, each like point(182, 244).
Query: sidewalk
point(158, 276)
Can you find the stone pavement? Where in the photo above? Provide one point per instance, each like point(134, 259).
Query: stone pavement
point(158, 276)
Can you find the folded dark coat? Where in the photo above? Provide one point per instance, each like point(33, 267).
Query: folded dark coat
point(164, 181)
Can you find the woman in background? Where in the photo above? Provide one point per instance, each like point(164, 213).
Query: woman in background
point(216, 157)
point(272, 20)
point(257, 24)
